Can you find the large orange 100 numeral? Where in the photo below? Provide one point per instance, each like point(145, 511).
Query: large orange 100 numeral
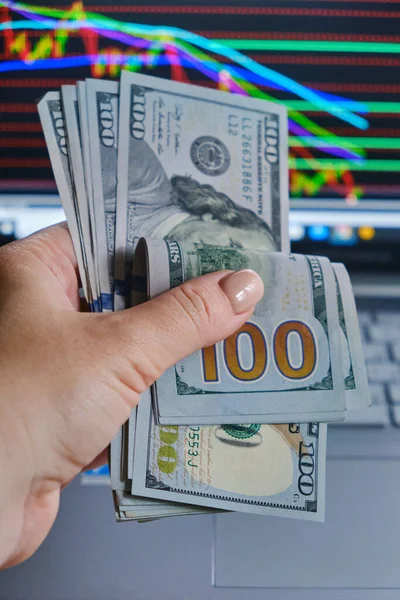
point(210, 365)
point(259, 351)
point(282, 351)
point(281, 348)
point(232, 356)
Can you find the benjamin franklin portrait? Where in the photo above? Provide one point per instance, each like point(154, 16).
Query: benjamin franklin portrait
point(180, 208)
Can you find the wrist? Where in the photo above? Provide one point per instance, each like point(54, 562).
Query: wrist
point(13, 491)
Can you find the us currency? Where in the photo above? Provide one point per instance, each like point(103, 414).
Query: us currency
point(130, 217)
point(128, 506)
point(270, 469)
point(102, 98)
point(117, 452)
point(145, 517)
point(198, 165)
point(284, 365)
point(85, 140)
point(145, 198)
point(190, 176)
point(266, 469)
point(146, 507)
point(75, 153)
point(79, 206)
point(114, 459)
point(355, 373)
point(52, 121)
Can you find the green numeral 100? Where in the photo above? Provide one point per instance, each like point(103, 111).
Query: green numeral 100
point(167, 457)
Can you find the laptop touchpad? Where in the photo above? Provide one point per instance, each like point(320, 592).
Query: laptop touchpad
point(357, 547)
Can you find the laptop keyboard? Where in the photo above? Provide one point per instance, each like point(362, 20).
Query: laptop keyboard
point(380, 332)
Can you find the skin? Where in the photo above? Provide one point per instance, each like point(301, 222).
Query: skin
point(208, 230)
point(70, 379)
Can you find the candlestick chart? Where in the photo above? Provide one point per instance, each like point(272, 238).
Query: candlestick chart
point(334, 64)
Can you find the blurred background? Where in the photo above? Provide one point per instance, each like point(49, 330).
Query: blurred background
point(348, 52)
point(344, 159)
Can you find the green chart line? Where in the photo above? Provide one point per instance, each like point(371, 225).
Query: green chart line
point(373, 107)
point(312, 46)
point(357, 142)
point(327, 164)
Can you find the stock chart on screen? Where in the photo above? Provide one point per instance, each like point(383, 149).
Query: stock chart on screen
point(334, 64)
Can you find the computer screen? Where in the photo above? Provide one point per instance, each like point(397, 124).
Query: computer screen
point(333, 63)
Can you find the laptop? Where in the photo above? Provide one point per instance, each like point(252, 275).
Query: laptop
point(346, 209)
point(354, 554)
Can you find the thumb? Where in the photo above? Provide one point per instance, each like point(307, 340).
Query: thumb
point(197, 314)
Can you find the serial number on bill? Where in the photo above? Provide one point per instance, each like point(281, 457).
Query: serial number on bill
point(242, 127)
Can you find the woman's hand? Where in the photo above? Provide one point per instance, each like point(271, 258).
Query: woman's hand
point(69, 380)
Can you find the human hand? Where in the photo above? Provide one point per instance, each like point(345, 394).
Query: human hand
point(70, 379)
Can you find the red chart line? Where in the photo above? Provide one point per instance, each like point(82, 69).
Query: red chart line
point(18, 142)
point(38, 82)
point(17, 107)
point(28, 184)
point(358, 61)
point(366, 88)
point(290, 35)
point(390, 132)
point(17, 163)
point(32, 108)
point(383, 115)
point(7, 55)
point(272, 35)
point(20, 127)
point(243, 10)
point(373, 132)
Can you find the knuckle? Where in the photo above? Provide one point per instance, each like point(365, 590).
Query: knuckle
point(198, 306)
point(135, 366)
point(9, 255)
point(142, 373)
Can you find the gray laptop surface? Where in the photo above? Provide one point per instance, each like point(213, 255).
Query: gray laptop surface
point(354, 554)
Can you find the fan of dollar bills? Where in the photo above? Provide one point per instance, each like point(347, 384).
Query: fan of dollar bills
point(202, 176)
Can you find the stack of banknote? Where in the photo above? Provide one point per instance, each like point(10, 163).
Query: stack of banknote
point(161, 182)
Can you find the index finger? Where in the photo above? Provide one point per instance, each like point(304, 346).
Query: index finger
point(53, 247)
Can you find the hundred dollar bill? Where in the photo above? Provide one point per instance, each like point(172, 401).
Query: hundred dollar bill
point(85, 139)
point(198, 165)
point(143, 507)
point(138, 507)
point(52, 120)
point(115, 459)
point(117, 452)
point(266, 469)
point(145, 517)
point(283, 365)
point(102, 101)
point(75, 153)
point(355, 373)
